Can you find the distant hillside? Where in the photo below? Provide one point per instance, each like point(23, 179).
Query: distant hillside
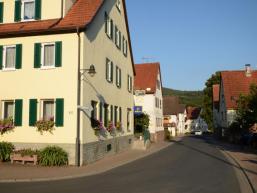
point(192, 98)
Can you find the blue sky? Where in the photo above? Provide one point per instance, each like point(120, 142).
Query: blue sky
point(192, 39)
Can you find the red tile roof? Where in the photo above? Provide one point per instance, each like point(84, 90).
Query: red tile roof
point(234, 84)
point(146, 77)
point(79, 16)
point(216, 92)
point(193, 112)
point(172, 106)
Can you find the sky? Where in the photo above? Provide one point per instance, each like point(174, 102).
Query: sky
point(192, 39)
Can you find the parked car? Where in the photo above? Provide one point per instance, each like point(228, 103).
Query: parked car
point(198, 132)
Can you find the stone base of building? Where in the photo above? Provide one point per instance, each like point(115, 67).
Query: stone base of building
point(100, 149)
point(69, 148)
point(90, 152)
point(157, 137)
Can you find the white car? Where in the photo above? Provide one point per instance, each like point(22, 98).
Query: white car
point(198, 133)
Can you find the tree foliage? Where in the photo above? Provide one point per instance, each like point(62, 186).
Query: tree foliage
point(141, 122)
point(247, 109)
point(207, 113)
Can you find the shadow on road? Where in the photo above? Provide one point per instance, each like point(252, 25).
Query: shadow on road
point(210, 155)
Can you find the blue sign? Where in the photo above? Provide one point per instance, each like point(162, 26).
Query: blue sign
point(138, 110)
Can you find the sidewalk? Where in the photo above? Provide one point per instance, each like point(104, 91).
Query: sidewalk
point(26, 173)
point(246, 158)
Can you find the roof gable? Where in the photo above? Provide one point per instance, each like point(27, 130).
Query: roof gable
point(146, 77)
point(172, 106)
point(236, 83)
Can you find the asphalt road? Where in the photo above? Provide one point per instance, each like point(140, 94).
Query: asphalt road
point(190, 166)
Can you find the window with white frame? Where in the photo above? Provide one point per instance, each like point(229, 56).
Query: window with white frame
point(117, 37)
point(118, 77)
point(108, 26)
point(28, 9)
point(9, 57)
point(109, 70)
point(129, 83)
point(125, 46)
point(8, 109)
point(118, 5)
point(48, 53)
point(48, 109)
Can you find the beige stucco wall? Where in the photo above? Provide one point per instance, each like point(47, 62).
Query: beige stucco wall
point(29, 83)
point(97, 47)
point(51, 9)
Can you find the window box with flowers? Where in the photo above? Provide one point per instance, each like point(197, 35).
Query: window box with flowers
point(45, 125)
point(99, 128)
point(6, 125)
point(111, 128)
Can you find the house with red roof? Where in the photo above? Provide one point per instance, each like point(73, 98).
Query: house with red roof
point(233, 84)
point(68, 63)
point(194, 121)
point(148, 97)
point(174, 115)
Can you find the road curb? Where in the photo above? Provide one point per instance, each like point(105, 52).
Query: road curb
point(87, 174)
point(241, 168)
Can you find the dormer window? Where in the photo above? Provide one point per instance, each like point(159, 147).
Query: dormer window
point(28, 10)
point(118, 5)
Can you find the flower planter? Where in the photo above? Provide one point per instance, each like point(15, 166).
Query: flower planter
point(18, 157)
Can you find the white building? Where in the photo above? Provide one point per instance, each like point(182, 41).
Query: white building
point(194, 121)
point(148, 97)
point(174, 115)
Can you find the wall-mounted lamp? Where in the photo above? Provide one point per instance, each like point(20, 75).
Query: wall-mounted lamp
point(91, 71)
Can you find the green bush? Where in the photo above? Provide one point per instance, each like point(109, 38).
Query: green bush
point(53, 156)
point(5, 151)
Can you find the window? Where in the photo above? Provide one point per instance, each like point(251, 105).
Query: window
point(48, 109)
point(94, 114)
point(120, 114)
point(28, 9)
point(118, 77)
point(111, 113)
point(128, 119)
point(48, 59)
point(1, 12)
point(106, 114)
point(101, 112)
point(8, 109)
point(109, 70)
point(48, 55)
point(125, 46)
point(108, 26)
point(9, 57)
point(115, 115)
point(129, 83)
point(156, 102)
point(117, 37)
point(118, 5)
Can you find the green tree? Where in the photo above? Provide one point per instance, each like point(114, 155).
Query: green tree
point(207, 113)
point(141, 122)
point(247, 109)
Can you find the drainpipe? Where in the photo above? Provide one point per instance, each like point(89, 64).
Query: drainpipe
point(62, 9)
point(78, 104)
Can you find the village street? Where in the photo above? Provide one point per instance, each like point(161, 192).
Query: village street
point(192, 165)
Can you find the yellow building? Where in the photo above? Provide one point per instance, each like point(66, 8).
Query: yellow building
point(69, 60)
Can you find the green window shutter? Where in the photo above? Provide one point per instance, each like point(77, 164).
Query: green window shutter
point(17, 13)
point(32, 112)
point(120, 77)
point(1, 57)
point(107, 69)
point(58, 54)
point(38, 9)
point(106, 21)
point(37, 55)
point(18, 112)
point(112, 71)
point(18, 63)
point(111, 113)
point(59, 112)
point(101, 111)
point(1, 12)
point(120, 114)
point(105, 115)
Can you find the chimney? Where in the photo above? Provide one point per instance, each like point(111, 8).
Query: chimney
point(248, 70)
